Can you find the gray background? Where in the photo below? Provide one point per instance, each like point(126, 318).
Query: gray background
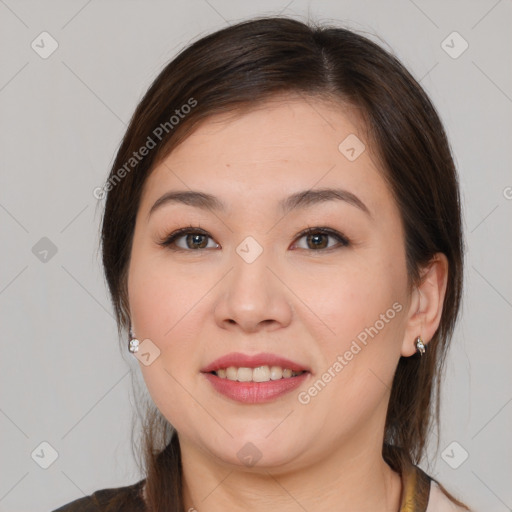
point(63, 378)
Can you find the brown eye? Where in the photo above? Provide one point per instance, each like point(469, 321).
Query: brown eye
point(193, 239)
point(317, 241)
point(196, 241)
point(318, 238)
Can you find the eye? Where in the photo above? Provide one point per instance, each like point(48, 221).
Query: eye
point(194, 238)
point(317, 238)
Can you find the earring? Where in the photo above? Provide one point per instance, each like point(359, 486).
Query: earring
point(133, 344)
point(420, 346)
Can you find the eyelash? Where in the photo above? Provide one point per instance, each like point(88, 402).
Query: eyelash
point(168, 241)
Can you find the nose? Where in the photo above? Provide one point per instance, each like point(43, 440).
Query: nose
point(251, 297)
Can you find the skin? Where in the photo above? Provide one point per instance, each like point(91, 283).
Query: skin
point(294, 300)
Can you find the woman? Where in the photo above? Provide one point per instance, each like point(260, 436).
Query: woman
point(282, 240)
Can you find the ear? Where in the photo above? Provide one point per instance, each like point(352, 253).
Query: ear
point(426, 306)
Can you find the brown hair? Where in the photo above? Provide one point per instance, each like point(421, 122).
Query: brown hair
point(242, 66)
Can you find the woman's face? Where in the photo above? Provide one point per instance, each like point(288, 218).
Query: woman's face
point(245, 280)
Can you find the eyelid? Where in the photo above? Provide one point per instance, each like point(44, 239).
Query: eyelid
point(169, 240)
point(342, 239)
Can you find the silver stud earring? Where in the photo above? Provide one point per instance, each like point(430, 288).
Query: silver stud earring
point(420, 346)
point(133, 344)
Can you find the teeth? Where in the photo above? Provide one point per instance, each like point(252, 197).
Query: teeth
point(259, 374)
point(276, 373)
point(244, 374)
point(231, 373)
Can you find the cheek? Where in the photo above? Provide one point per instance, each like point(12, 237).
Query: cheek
point(363, 307)
point(159, 295)
point(344, 299)
point(162, 308)
point(359, 310)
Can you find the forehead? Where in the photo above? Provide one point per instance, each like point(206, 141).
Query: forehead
point(282, 127)
point(275, 147)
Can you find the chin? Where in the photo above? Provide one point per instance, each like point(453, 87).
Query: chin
point(256, 452)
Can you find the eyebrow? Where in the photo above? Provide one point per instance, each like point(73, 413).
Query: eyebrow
point(303, 199)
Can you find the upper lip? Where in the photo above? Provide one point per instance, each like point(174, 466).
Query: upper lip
point(240, 360)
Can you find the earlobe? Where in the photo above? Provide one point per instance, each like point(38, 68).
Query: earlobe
point(426, 306)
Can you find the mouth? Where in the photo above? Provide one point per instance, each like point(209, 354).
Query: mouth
point(244, 367)
point(255, 379)
point(263, 373)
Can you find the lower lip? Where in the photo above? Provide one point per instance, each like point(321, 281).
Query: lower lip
point(255, 392)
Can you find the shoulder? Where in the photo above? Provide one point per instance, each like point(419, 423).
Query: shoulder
point(126, 499)
point(439, 502)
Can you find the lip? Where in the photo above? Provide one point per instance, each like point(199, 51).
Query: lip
point(240, 360)
point(255, 392)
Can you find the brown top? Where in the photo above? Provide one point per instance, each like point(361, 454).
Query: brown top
point(127, 499)
point(415, 495)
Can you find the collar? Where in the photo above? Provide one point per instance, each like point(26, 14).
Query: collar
point(415, 490)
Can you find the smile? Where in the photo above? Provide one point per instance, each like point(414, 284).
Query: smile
point(260, 374)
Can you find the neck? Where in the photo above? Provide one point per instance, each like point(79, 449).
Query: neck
point(344, 480)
